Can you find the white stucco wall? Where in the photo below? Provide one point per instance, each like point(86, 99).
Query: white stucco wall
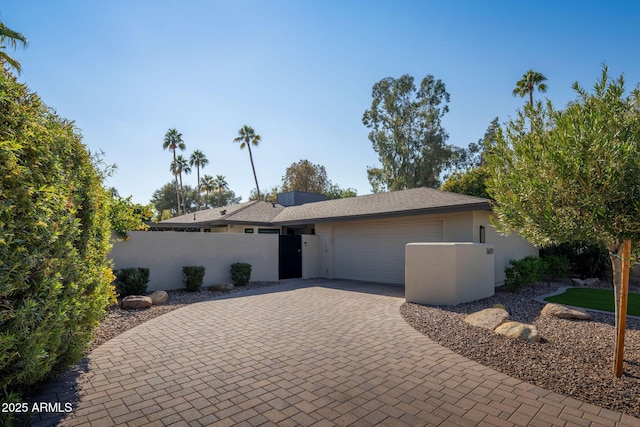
point(448, 273)
point(457, 227)
point(165, 253)
point(507, 248)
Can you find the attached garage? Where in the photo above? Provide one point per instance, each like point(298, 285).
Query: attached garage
point(375, 250)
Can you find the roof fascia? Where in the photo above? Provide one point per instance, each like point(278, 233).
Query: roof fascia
point(483, 206)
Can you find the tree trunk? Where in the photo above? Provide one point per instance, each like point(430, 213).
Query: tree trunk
point(175, 175)
point(254, 169)
point(198, 172)
point(184, 205)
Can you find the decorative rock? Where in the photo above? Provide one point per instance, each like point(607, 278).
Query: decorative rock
point(519, 330)
point(489, 318)
point(222, 287)
point(563, 312)
point(159, 297)
point(594, 281)
point(136, 301)
point(578, 282)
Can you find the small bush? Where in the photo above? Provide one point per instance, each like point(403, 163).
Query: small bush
point(193, 276)
point(240, 273)
point(131, 281)
point(556, 266)
point(524, 272)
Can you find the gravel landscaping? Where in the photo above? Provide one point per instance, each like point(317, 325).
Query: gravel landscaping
point(118, 320)
point(573, 359)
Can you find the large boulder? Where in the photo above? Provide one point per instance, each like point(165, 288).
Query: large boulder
point(578, 282)
point(222, 287)
point(159, 297)
point(563, 312)
point(489, 318)
point(593, 281)
point(135, 302)
point(519, 330)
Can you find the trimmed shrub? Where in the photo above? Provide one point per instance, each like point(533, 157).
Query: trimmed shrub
point(131, 281)
point(524, 272)
point(240, 273)
point(55, 278)
point(193, 277)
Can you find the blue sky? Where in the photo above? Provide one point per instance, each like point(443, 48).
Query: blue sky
point(299, 72)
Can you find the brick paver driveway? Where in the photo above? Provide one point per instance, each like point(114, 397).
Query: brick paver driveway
point(303, 353)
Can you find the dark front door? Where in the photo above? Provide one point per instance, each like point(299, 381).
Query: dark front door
point(290, 257)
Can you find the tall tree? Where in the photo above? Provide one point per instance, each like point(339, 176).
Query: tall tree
point(468, 171)
point(199, 160)
point(248, 137)
point(181, 165)
point(164, 200)
point(530, 81)
point(207, 184)
point(407, 132)
point(306, 176)
point(12, 39)
point(220, 184)
point(575, 176)
point(173, 141)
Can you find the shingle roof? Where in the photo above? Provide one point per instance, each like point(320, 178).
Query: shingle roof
point(395, 203)
point(254, 212)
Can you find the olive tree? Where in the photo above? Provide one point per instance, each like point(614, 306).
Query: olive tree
point(574, 174)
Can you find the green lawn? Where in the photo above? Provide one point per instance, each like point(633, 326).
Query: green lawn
point(599, 299)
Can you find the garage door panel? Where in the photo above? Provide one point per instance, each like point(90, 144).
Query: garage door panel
point(376, 252)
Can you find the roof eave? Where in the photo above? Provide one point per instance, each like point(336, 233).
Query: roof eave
point(482, 206)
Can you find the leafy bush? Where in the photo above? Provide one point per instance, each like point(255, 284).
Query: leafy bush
point(555, 266)
point(193, 277)
point(55, 279)
point(585, 259)
point(240, 273)
point(131, 281)
point(524, 272)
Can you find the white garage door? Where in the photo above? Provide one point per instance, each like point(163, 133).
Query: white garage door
point(375, 251)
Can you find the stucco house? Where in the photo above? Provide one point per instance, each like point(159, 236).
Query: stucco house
point(360, 238)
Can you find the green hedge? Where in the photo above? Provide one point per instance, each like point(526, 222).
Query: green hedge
point(131, 281)
point(193, 276)
point(531, 269)
point(55, 280)
point(240, 273)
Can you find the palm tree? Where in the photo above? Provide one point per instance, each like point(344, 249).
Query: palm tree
point(220, 184)
point(180, 165)
point(173, 140)
point(208, 183)
point(529, 81)
point(199, 160)
point(12, 38)
point(247, 137)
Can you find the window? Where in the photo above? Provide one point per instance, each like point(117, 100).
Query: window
point(482, 235)
point(268, 231)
